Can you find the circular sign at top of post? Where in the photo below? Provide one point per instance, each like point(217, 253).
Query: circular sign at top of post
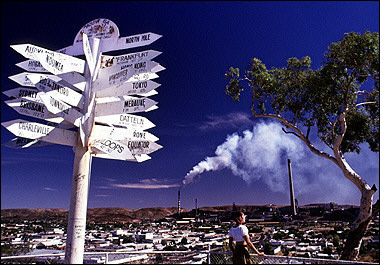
point(100, 28)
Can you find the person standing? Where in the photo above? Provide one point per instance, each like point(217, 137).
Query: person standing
point(239, 234)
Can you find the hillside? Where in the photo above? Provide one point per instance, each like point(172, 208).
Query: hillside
point(96, 214)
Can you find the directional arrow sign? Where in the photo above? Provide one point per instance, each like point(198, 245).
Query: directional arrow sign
point(34, 130)
point(130, 42)
point(130, 88)
point(33, 109)
point(23, 80)
point(113, 148)
point(104, 132)
point(24, 92)
point(56, 65)
point(141, 146)
point(135, 67)
point(116, 75)
point(58, 91)
point(20, 142)
point(61, 109)
point(130, 105)
point(134, 78)
point(126, 120)
point(54, 62)
point(137, 158)
point(72, 78)
point(32, 66)
point(109, 61)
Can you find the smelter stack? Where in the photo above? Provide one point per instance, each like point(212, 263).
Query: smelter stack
point(292, 202)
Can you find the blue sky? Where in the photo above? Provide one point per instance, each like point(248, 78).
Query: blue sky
point(195, 118)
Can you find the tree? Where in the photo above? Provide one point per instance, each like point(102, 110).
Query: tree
point(340, 100)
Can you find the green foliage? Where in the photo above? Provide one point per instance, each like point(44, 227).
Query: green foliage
point(307, 97)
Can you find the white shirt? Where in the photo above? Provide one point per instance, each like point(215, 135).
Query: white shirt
point(238, 232)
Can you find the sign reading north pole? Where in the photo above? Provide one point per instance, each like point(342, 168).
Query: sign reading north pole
point(90, 104)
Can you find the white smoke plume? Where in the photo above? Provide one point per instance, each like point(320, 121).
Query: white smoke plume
point(261, 155)
point(254, 155)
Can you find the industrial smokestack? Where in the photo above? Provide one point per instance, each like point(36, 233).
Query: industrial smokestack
point(292, 202)
point(179, 202)
point(196, 207)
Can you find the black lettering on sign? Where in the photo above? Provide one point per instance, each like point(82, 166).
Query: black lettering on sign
point(112, 145)
point(132, 39)
point(134, 103)
point(32, 106)
point(54, 63)
point(145, 37)
point(139, 85)
point(139, 134)
point(60, 105)
point(140, 65)
point(138, 144)
point(27, 93)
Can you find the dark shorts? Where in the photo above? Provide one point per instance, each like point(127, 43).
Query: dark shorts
point(241, 255)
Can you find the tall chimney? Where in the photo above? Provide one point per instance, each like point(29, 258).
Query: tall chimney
point(196, 207)
point(292, 202)
point(179, 202)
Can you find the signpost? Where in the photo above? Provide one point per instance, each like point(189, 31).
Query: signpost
point(54, 90)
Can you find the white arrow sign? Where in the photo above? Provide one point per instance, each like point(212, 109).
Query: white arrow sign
point(20, 142)
point(129, 88)
point(61, 109)
point(129, 105)
point(141, 146)
point(134, 68)
point(54, 62)
point(137, 158)
point(33, 109)
point(130, 42)
point(34, 130)
point(116, 75)
point(134, 78)
point(23, 80)
point(104, 132)
point(32, 66)
point(73, 78)
point(128, 121)
point(109, 61)
point(56, 65)
point(113, 148)
point(58, 91)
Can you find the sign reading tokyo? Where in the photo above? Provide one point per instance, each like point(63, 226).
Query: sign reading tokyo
point(128, 88)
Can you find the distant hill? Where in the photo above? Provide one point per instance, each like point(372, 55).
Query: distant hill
point(150, 214)
point(96, 214)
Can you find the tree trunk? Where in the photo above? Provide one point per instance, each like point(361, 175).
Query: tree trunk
point(354, 238)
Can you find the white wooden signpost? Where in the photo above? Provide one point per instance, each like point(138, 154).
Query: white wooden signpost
point(75, 94)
